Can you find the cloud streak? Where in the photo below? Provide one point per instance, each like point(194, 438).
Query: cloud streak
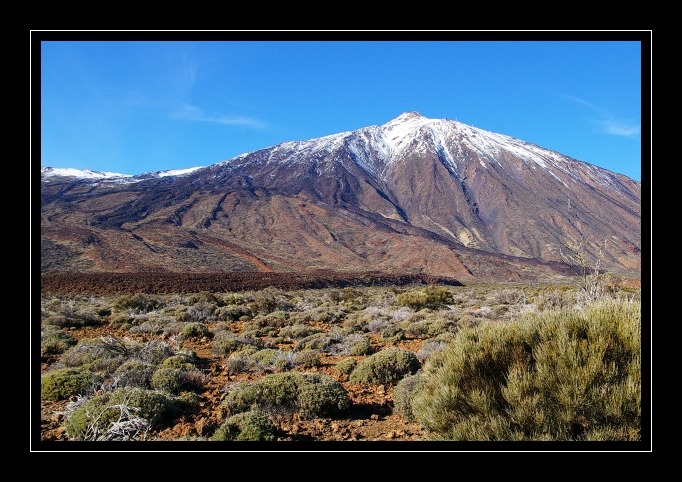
point(609, 123)
point(192, 113)
point(618, 128)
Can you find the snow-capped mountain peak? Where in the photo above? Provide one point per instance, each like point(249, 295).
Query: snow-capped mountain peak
point(398, 133)
point(399, 195)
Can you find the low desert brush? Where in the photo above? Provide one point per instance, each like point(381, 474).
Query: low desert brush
point(557, 375)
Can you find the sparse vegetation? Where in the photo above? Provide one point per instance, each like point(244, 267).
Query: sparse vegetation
point(195, 330)
point(388, 366)
point(431, 297)
point(404, 392)
point(54, 341)
point(99, 418)
point(63, 383)
point(138, 302)
point(245, 426)
point(133, 373)
point(308, 394)
point(346, 366)
point(275, 365)
point(562, 375)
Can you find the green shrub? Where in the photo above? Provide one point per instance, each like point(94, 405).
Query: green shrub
point(404, 393)
point(63, 383)
point(184, 362)
point(233, 299)
point(269, 300)
point(347, 365)
point(225, 343)
point(245, 426)
point(122, 321)
point(328, 314)
point(195, 330)
point(54, 340)
point(168, 379)
point(201, 311)
point(308, 359)
point(233, 312)
point(266, 357)
point(247, 351)
point(285, 363)
point(96, 418)
point(309, 394)
point(298, 330)
point(431, 297)
point(205, 297)
point(188, 402)
point(385, 367)
point(359, 345)
point(139, 302)
point(318, 341)
point(392, 334)
point(134, 373)
point(106, 354)
point(68, 318)
point(427, 324)
point(558, 375)
point(276, 319)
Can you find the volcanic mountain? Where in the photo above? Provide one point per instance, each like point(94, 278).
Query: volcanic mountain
point(415, 195)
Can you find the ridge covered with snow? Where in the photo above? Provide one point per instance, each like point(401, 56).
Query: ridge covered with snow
point(411, 130)
point(79, 173)
point(376, 148)
point(87, 174)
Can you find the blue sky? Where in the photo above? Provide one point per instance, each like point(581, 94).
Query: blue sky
point(139, 106)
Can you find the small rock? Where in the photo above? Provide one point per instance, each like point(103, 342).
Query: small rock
point(374, 416)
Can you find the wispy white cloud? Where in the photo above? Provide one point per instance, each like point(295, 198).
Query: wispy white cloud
point(618, 128)
point(190, 112)
point(609, 123)
point(188, 72)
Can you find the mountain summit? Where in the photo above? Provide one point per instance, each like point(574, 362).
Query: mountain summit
point(413, 195)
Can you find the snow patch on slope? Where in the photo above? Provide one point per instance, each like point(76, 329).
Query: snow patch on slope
point(47, 172)
point(177, 172)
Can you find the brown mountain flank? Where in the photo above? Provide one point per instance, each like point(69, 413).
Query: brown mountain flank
point(413, 196)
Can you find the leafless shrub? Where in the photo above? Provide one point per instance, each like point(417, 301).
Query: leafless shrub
point(592, 286)
point(238, 363)
point(378, 325)
point(483, 312)
point(506, 296)
point(429, 348)
point(128, 427)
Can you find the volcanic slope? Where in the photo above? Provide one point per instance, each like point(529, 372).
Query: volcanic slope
point(415, 195)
